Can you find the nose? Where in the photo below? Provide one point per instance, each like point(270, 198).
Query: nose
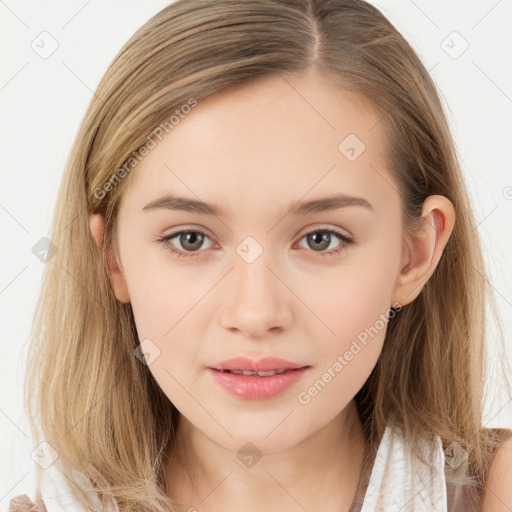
point(258, 300)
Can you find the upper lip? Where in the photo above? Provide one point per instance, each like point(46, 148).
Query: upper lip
point(261, 365)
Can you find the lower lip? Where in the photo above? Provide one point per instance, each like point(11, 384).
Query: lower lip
point(251, 387)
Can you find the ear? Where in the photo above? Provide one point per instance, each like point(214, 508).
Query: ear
point(97, 227)
point(425, 248)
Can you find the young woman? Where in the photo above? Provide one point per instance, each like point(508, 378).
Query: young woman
point(269, 292)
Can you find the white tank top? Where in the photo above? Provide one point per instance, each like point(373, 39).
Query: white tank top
point(399, 481)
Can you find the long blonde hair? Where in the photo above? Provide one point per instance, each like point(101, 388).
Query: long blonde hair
point(94, 401)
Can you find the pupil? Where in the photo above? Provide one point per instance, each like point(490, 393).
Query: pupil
point(190, 238)
point(320, 239)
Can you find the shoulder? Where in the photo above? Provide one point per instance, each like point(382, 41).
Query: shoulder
point(23, 503)
point(498, 482)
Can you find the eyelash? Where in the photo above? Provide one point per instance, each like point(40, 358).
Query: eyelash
point(165, 240)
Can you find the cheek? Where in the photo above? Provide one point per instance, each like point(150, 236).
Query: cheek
point(355, 310)
point(349, 299)
point(359, 322)
point(169, 309)
point(351, 304)
point(363, 302)
point(161, 291)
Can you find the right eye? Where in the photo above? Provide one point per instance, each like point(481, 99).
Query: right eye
point(190, 240)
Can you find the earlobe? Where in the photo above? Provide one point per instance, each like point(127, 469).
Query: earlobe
point(425, 248)
point(97, 228)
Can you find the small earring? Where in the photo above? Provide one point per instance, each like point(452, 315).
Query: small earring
point(392, 312)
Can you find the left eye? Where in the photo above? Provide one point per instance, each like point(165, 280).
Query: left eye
point(192, 240)
point(324, 240)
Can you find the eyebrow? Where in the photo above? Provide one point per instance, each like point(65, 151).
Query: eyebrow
point(334, 202)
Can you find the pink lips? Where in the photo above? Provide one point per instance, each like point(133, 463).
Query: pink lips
point(257, 387)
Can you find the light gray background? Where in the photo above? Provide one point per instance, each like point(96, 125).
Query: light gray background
point(43, 100)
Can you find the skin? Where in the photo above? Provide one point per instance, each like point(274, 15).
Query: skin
point(255, 151)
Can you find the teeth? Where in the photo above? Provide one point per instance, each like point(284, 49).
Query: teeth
point(260, 374)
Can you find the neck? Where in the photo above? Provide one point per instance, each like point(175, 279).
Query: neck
point(322, 472)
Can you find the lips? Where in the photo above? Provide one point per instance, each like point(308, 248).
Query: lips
point(257, 386)
point(261, 379)
point(262, 365)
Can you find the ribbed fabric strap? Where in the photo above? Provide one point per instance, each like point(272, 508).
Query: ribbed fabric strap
point(400, 482)
point(59, 497)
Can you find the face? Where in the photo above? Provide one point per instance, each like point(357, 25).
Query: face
point(262, 277)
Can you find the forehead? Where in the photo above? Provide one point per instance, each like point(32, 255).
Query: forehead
point(277, 139)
